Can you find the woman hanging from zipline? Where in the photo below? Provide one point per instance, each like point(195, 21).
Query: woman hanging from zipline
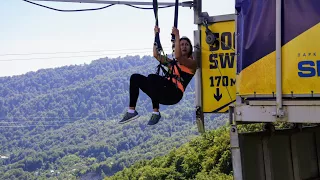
point(166, 90)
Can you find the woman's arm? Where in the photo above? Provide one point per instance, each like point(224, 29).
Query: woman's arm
point(156, 54)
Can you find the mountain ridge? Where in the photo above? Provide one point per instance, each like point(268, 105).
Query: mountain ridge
point(65, 120)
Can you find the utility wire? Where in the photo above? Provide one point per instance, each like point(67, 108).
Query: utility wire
point(61, 57)
point(65, 120)
point(70, 52)
point(17, 126)
point(76, 10)
point(68, 119)
point(46, 117)
point(26, 126)
point(45, 123)
point(92, 9)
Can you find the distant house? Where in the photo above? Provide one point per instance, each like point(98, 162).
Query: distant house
point(3, 157)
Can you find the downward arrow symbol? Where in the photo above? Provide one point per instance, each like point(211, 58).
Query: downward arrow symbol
point(217, 95)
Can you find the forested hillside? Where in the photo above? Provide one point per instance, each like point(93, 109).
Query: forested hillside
point(203, 158)
point(62, 122)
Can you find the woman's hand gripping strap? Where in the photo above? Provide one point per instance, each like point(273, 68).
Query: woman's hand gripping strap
point(175, 24)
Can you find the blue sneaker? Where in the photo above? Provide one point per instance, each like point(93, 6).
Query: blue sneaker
point(154, 119)
point(129, 117)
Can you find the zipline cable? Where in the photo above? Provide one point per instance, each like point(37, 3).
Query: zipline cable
point(91, 9)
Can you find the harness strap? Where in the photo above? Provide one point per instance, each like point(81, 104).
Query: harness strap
point(173, 74)
point(175, 24)
point(170, 73)
point(176, 77)
point(157, 42)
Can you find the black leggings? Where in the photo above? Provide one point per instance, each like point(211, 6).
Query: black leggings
point(158, 88)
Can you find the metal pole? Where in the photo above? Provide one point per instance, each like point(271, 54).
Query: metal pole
point(183, 4)
point(278, 60)
point(235, 153)
point(198, 78)
point(197, 11)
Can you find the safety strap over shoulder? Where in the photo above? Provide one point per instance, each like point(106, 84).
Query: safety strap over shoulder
point(170, 73)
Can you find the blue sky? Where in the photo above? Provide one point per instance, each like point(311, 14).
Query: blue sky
point(115, 31)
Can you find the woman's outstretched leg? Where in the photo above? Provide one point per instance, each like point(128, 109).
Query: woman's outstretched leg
point(137, 81)
point(148, 85)
point(156, 87)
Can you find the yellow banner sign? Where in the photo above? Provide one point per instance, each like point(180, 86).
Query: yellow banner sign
point(218, 67)
point(300, 69)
